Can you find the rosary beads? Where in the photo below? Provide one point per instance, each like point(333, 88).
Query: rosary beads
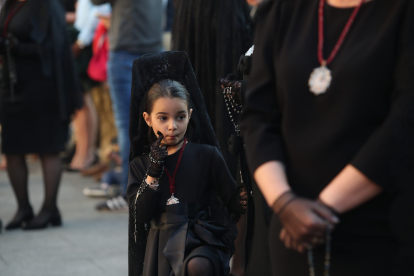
point(232, 106)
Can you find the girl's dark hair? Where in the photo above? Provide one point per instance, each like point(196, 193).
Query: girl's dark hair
point(171, 89)
point(166, 88)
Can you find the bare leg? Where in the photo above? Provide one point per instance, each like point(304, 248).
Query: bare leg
point(81, 134)
point(92, 127)
point(52, 172)
point(18, 175)
point(3, 163)
point(200, 266)
point(85, 129)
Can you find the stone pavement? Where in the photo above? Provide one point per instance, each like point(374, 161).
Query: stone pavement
point(88, 244)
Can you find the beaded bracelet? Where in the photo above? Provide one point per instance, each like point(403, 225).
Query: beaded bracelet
point(155, 161)
point(152, 184)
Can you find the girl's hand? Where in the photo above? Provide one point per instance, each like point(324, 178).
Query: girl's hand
point(157, 157)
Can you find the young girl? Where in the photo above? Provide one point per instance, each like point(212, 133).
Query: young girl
point(179, 184)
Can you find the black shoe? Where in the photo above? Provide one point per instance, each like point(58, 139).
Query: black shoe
point(43, 219)
point(20, 219)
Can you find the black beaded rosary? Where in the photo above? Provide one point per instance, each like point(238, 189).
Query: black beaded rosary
point(327, 264)
point(232, 106)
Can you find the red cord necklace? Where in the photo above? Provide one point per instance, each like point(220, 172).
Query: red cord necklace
point(171, 179)
point(11, 14)
point(321, 77)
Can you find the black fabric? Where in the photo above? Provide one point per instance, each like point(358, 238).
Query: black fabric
point(31, 123)
point(82, 61)
point(147, 70)
point(364, 119)
point(171, 234)
point(214, 34)
point(48, 31)
point(18, 175)
point(68, 5)
point(32, 120)
point(243, 178)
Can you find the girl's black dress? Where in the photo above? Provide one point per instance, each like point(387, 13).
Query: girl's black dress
point(32, 122)
point(186, 230)
point(364, 119)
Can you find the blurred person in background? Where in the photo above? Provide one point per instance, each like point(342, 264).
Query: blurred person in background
point(69, 6)
point(3, 162)
point(97, 70)
point(86, 120)
point(214, 51)
point(136, 29)
point(110, 178)
point(39, 94)
point(254, 4)
point(167, 24)
point(328, 127)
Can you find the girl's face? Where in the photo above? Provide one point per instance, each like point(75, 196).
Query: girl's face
point(170, 116)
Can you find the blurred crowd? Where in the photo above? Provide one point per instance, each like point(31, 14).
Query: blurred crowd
point(96, 145)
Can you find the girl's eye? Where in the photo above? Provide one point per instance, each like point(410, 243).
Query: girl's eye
point(163, 118)
point(182, 117)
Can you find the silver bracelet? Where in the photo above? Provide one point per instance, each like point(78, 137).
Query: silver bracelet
point(152, 184)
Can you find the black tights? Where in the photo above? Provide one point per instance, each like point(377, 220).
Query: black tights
point(18, 174)
point(199, 266)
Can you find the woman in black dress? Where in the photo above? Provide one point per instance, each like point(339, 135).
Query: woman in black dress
point(182, 189)
point(349, 143)
point(39, 92)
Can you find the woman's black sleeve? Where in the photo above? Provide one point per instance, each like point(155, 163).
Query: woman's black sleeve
point(147, 201)
point(261, 117)
point(387, 157)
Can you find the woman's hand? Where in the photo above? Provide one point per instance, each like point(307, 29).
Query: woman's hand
point(157, 157)
point(234, 85)
point(303, 219)
point(291, 243)
point(243, 198)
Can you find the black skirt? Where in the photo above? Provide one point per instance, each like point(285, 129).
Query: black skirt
point(31, 121)
point(177, 236)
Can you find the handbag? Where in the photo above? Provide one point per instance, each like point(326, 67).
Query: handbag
point(97, 68)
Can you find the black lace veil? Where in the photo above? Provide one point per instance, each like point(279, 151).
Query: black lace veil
point(148, 70)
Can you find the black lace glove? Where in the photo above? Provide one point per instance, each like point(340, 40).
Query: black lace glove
point(157, 156)
point(235, 86)
point(303, 219)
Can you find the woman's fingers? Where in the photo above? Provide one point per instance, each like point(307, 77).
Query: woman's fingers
point(284, 237)
point(282, 234)
point(290, 242)
point(325, 213)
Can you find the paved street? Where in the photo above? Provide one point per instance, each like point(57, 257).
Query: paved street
point(88, 244)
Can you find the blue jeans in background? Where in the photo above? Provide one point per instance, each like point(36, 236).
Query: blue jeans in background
point(119, 81)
